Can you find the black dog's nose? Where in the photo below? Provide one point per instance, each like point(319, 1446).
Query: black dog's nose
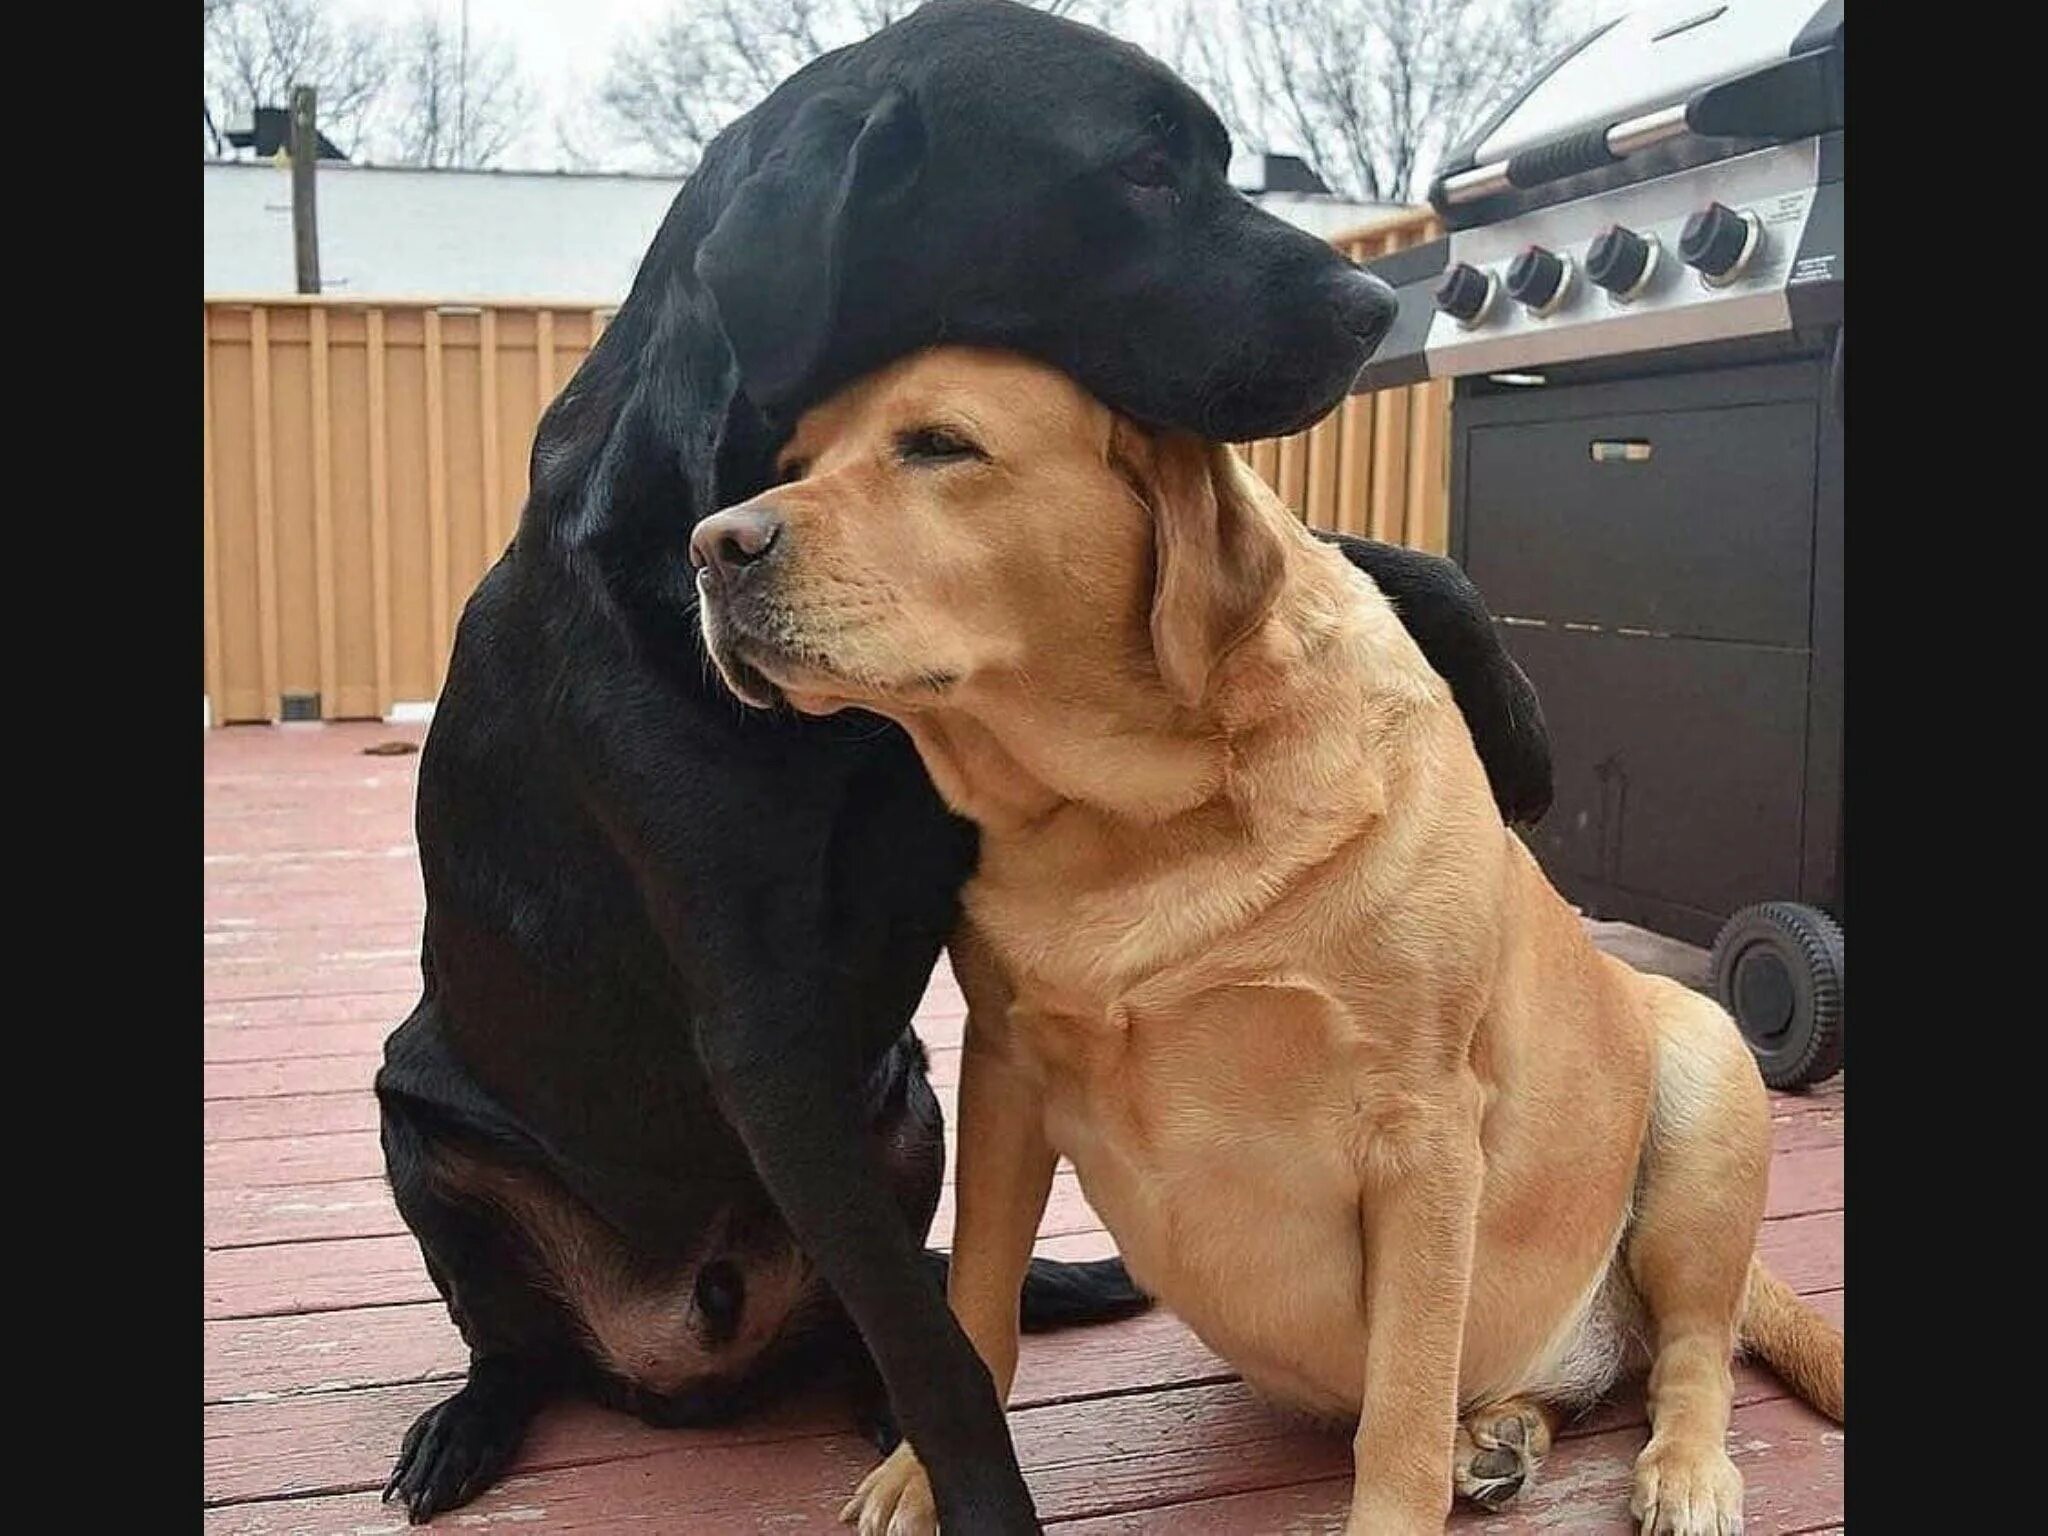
point(1365, 306)
point(730, 541)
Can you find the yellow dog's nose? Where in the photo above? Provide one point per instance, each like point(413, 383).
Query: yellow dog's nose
point(727, 543)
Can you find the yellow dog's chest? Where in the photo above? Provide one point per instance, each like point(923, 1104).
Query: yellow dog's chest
point(1216, 1136)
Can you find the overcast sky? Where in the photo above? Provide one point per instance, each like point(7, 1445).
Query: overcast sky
point(564, 45)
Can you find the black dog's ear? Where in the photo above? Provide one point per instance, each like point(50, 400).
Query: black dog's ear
point(774, 260)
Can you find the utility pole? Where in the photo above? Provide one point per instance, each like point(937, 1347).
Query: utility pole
point(462, 92)
point(304, 149)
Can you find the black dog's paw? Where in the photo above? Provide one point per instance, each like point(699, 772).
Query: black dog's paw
point(1513, 743)
point(452, 1453)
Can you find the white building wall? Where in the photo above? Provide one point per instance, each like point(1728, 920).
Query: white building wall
point(434, 234)
point(391, 233)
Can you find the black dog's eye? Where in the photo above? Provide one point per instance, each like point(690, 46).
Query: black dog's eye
point(935, 445)
point(1149, 167)
point(795, 469)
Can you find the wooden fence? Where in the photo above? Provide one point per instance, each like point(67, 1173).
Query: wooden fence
point(365, 462)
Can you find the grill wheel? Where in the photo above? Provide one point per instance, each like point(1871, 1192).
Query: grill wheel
point(1779, 968)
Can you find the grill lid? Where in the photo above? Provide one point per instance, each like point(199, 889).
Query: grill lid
point(1727, 75)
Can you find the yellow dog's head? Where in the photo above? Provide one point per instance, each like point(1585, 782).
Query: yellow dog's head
point(966, 523)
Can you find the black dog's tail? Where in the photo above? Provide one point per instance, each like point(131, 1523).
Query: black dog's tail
point(1062, 1295)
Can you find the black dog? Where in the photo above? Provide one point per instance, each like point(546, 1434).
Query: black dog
point(662, 1065)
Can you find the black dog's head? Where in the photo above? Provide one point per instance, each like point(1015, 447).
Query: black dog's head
point(984, 172)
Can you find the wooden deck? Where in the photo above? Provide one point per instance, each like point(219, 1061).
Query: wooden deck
point(323, 1337)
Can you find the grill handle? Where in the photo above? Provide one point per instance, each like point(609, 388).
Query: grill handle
point(1795, 99)
point(1560, 158)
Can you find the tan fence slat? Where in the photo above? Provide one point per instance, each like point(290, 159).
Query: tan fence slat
point(415, 610)
point(1428, 467)
point(290, 354)
point(463, 471)
point(1389, 465)
point(519, 409)
point(1266, 461)
point(323, 517)
point(270, 630)
point(234, 516)
point(544, 361)
point(380, 515)
point(348, 458)
point(1354, 466)
point(1293, 484)
point(216, 672)
point(1321, 504)
point(495, 533)
point(437, 499)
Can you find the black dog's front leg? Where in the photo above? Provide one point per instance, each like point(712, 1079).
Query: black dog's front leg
point(744, 838)
point(792, 1099)
point(1445, 614)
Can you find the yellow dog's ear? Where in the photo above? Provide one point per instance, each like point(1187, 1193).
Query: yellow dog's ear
point(1217, 555)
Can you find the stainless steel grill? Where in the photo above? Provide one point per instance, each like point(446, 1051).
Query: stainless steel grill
point(1640, 300)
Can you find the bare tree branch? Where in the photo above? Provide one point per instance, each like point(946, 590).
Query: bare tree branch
point(384, 94)
point(1372, 92)
point(673, 85)
point(257, 50)
point(428, 73)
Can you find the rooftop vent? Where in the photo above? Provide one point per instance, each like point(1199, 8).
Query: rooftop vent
point(271, 134)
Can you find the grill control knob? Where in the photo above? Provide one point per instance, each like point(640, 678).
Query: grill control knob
point(1621, 261)
point(1720, 242)
point(1539, 280)
point(1466, 294)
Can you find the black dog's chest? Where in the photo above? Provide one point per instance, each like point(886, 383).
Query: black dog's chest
point(554, 986)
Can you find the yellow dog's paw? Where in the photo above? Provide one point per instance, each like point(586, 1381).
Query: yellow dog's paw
point(1380, 1522)
point(1686, 1490)
point(1498, 1450)
point(895, 1499)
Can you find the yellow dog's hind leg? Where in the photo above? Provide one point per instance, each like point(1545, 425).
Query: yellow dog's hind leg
point(1700, 1201)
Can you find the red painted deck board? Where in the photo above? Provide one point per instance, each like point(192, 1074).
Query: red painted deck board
point(1791, 1460)
point(246, 1215)
point(324, 1338)
point(229, 1120)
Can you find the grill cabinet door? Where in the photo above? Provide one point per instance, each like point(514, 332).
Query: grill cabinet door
point(1653, 572)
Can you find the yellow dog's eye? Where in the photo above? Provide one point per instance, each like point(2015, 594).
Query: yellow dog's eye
point(935, 445)
point(795, 469)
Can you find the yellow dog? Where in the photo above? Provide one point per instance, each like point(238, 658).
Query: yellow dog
point(1250, 945)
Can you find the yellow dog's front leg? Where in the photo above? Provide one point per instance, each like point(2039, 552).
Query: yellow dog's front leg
point(1004, 1180)
point(1419, 1207)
